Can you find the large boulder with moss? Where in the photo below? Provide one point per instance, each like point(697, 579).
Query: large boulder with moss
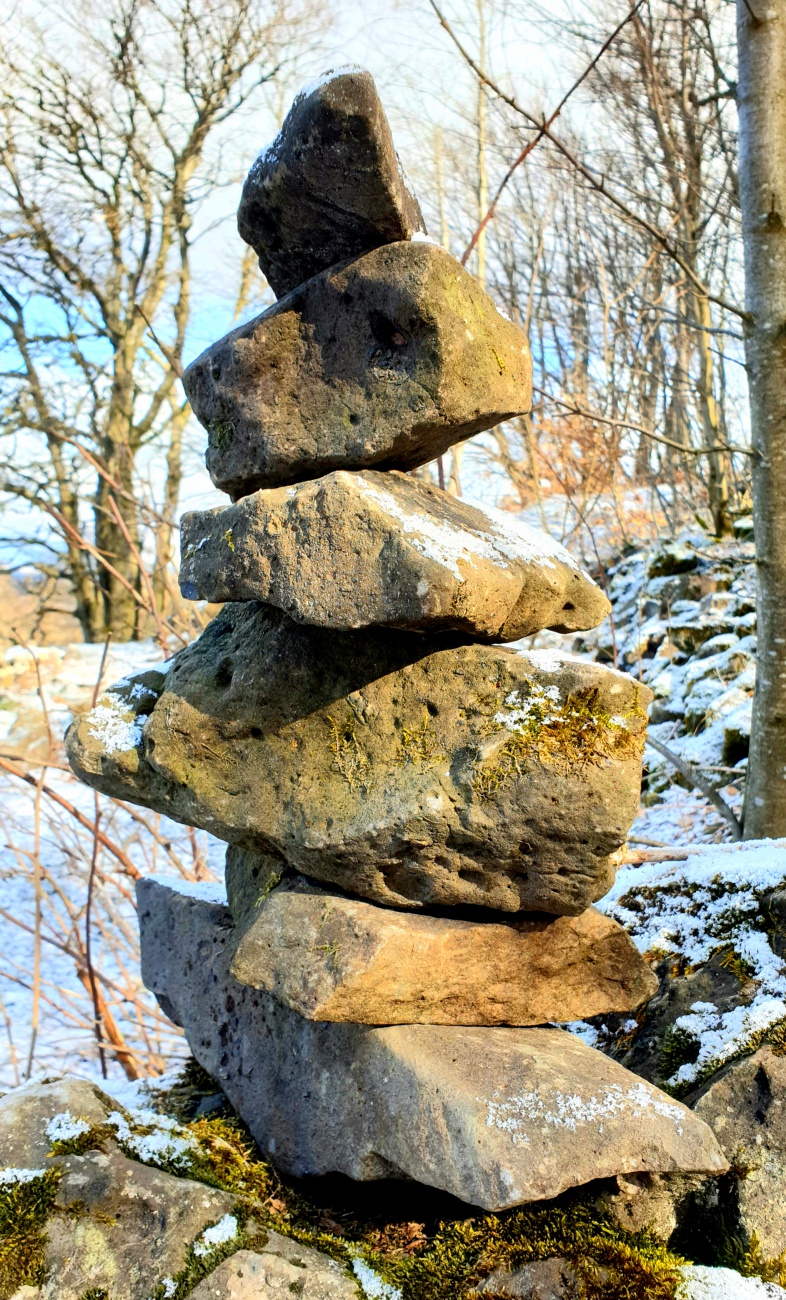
point(353, 550)
point(407, 774)
point(497, 1117)
point(386, 361)
point(335, 958)
point(329, 187)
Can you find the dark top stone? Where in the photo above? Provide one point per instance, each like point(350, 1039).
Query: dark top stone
point(329, 187)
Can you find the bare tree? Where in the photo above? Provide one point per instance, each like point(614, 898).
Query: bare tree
point(761, 95)
point(107, 152)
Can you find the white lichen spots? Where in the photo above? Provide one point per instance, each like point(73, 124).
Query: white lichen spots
point(9, 1176)
point(222, 1232)
point(521, 1114)
point(152, 1138)
point(500, 540)
point(372, 1284)
point(114, 723)
point(65, 1127)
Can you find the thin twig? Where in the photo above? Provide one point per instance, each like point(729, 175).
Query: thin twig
point(693, 778)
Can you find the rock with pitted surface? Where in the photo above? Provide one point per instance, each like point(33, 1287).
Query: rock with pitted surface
point(746, 1108)
point(279, 1269)
point(497, 1117)
point(384, 361)
point(330, 957)
point(405, 774)
point(329, 187)
point(353, 550)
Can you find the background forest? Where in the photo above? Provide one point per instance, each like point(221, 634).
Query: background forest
point(611, 232)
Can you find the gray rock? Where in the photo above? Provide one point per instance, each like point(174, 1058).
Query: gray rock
point(408, 775)
point(353, 550)
point(329, 187)
point(385, 361)
point(496, 1117)
point(25, 1113)
point(134, 1228)
point(333, 958)
point(746, 1108)
point(284, 1268)
point(543, 1279)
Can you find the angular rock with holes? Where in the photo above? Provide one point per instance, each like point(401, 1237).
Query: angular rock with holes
point(335, 958)
point(383, 361)
point(404, 773)
point(329, 187)
point(353, 550)
point(496, 1117)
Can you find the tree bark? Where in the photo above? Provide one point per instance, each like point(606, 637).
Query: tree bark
point(762, 111)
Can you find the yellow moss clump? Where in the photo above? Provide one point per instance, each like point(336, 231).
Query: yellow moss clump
point(565, 735)
point(24, 1210)
point(419, 745)
point(348, 758)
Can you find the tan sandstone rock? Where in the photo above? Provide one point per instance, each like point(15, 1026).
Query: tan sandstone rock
point(497, 1117)
point(387, 360)
point(330, 185)
point(409, 775)
point(353, 550)
point(334, 958)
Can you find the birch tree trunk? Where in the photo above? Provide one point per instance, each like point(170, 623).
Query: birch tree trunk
point(761, 38)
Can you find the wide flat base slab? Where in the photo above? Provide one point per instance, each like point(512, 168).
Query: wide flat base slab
point(495, 1116)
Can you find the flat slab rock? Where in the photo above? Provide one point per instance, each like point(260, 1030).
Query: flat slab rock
point(329, 187)
point(404, 773)
point(497, 1117)
point(334, 958)
point(384, 361)
point(354, 550)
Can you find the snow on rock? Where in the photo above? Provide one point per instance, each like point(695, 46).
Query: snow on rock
point(115, 724)
point(372, 1284)
point(162, 1142)
point(713, 900)
point(220, 1234)
point(699, 1282)
point(205, 891)
point(9, 1176)
point(64, 1127)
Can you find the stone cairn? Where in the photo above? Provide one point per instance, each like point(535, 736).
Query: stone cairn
point(418, 817)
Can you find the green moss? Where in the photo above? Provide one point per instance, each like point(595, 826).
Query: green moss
point(348, 757)
point(221, 433)
point(749, 1259)
point(567, 736)
point(679, 1047)
point(95, 1293)
point(24, 1210)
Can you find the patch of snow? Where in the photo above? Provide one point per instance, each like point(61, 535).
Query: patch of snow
point(166, 1143)
point(205, 891)
point(325, 78)
point(700, 1282)
point(504, 538)
point(696, 907)
point(518, 709)
point(115, 725)
point(548, 661)
point(64, 1127)
point(372, 1284)
point(10, 1176)
point(170, 1287)
point(222, 1232)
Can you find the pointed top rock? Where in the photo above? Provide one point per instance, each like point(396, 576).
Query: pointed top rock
point(329, 187)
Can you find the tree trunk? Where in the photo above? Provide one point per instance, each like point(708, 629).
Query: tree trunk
point(762, 111)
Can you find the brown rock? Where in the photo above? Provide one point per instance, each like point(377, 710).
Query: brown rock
point(329, 187)
point(543, 1279)
point(497, 1117)
point(353, 550)
point(386, 361)
point(412, 776)
point(335, 958)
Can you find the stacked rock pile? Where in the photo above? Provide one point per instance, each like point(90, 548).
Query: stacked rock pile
point(419, 818)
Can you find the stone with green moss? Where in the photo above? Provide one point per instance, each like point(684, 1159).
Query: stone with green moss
point(404, 772)
point(386, 361)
